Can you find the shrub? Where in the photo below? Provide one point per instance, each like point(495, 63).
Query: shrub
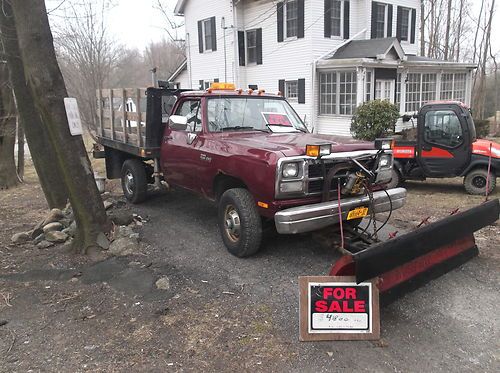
point(482, 127)
point(374, 119)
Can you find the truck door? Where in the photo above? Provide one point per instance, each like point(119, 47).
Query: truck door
point(178, 153)
point(444, 141)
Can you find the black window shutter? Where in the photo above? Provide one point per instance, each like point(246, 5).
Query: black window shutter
point(281, 86)
point(241, 47)
point(346, 19)
point(214, 34)
point(279, 12)
point(216, 80)
point(202, 85)
point(374, 19)
point(259, 45)
point(413, 24)
point(302, 91)
point(200, 36)
point(389, 20)
point(398, 23)
point(328, 17)
point(300, 20)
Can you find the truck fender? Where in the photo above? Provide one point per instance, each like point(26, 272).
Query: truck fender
point(398, 166)
point(479, 161)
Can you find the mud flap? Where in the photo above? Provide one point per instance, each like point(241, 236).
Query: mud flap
point(406, 262)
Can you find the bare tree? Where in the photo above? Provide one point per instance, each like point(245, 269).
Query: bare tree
point(46, 85)
point(8, 173)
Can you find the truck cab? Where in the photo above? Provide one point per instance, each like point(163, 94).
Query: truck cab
point(250, 153)
point(446, 146)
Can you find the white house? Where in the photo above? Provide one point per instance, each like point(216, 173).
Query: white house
point(326, 56)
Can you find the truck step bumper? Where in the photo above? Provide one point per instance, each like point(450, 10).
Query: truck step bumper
point(313, 217)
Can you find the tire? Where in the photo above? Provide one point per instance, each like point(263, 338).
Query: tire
point(237, 205)
point(475, 181)
point(396, 181)
point(134, 180)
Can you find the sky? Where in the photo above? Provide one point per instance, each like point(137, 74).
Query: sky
point(135, 23)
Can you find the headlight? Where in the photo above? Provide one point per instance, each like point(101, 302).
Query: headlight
point(385, 161)
point(383, 144)
point(290, 170)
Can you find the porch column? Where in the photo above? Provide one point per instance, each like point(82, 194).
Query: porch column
point(360, 85)
point(468, 88)
point(402, 95)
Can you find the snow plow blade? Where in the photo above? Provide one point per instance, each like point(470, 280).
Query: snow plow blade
point(407, 262)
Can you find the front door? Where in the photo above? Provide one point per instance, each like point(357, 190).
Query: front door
point(444, 144)
point(384, 89)
point(178, 153)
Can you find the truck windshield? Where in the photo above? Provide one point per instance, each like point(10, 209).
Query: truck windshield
point(252, 113)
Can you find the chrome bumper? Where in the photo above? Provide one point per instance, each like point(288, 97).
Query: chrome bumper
point(313, 217)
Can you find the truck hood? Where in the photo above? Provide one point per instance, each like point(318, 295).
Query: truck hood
point(294, 144)
point(482, 147)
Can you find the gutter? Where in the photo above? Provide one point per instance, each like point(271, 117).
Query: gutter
point(313, 72)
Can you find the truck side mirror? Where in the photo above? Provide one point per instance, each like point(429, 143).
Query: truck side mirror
point(177, 122)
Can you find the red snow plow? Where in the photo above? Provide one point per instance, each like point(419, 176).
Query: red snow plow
point(404, 263)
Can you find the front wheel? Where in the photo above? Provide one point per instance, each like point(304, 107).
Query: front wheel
point(134, 180)
point(475, 181)
point(239, 222)
point(396, 181)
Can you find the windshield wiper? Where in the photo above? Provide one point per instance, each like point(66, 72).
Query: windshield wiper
point(285, 125)
point(243, 128)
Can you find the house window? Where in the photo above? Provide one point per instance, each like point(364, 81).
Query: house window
point(337, 92)
point(252, 46)
point(369, 85)
point(405, 24)
point(292, 17)
point(381, 15)
point(207, 34)
point(292, 89)
point(336, 20)
point(453, 86)
point(420, 88)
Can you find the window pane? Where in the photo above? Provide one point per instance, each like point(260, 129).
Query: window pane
point(336, 19)
point(405, 24)
point(443, 128)
point(291, 89)
point(252, 46)
point(380, 20)
point(207, 28)
point(291, 18)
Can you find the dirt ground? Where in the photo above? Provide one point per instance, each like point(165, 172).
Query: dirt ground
point(64, 313)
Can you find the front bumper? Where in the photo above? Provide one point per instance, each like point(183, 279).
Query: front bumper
point(319, 215)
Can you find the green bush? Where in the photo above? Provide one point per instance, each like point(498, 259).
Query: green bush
point(374, 119)
point(482, 127)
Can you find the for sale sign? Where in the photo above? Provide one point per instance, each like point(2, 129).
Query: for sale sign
point(336, 308)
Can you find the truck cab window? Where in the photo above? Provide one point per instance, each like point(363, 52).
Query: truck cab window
point(442, 127)
point(192, 111)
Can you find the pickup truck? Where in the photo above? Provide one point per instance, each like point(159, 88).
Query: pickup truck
point(249, 152)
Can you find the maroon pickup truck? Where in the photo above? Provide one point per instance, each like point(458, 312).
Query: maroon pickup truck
point(250, 153)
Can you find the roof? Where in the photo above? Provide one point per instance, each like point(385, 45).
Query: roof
point(178, 71)
point(179, 7)
point(235, 93)
point(369, 48)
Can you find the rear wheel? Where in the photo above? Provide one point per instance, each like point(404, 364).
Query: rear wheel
point(239, 222)
point(134, 180)
point(397, 179)
point(475, 181)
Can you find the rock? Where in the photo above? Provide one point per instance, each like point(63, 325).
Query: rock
point(123, 246)
point(124, 231)
point(121, 217)
point(163, 283)
point(44, 244)
point(72, 228)
point(19, 238)
point(108, 204)
point(56, 226)
point(56, 236)
point(38, 239)
point(105, 196)
point(53, 216)
point(66, 222)
point(102, 241)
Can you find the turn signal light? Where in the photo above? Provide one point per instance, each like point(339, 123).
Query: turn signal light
point(318, 151)
point(223, 86)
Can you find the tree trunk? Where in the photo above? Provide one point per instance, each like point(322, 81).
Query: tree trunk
point(20, 151)
point(44, 160)
point(8, 174)
point(46, 83)
point(448, 26)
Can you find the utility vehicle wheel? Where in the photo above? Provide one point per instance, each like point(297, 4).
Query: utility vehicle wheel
point(239, 222)
point(475, 181)
point(134, 180)
point(397, 179)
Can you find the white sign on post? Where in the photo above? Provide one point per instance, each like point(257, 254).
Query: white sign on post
point(73, 114)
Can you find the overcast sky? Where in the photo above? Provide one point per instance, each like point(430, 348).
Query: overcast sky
point(136, 22)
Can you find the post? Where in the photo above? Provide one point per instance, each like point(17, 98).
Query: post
point(112, 114)
point(124, 115)
point(154, 81)
point(101, 112)
point(139, 117)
